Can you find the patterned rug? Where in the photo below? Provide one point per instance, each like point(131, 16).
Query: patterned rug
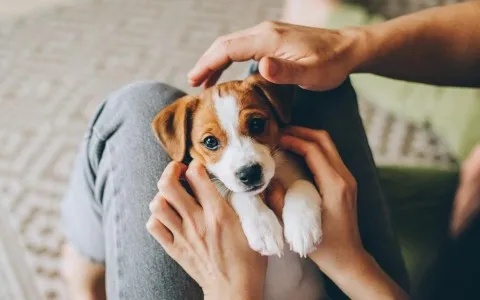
point(57, 65)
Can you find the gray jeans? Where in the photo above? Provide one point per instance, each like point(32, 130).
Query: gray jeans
point(120, 162)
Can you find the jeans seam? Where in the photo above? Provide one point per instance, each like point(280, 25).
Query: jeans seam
point(116, 217)
point(95, 133)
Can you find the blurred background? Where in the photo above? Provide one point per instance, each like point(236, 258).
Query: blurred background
point(60, 58)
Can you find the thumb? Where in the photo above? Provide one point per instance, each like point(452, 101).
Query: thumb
point(275, 198)
point(204, 190)
point(282, 71)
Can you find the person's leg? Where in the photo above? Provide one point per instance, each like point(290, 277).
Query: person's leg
point(85, 279)
point(120, 162)
point(106, 206)
point(337, 112)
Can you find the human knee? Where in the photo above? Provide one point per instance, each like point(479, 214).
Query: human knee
point(136, 103)
point(143, 97)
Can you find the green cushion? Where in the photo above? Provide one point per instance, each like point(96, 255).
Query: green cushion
point(453, 113)
point(420, 201)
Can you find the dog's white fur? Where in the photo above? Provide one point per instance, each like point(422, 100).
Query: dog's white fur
point(290, 276)
point(241, 150)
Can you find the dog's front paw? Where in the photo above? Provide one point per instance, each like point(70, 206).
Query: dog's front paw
point(264, 232)
point(302, 218)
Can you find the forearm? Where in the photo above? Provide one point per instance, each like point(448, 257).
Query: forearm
point(437, 46)
point(361, 278)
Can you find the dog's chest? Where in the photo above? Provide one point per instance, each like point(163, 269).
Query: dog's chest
point(290, 276)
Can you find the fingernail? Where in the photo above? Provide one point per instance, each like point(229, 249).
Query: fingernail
point(190, 73)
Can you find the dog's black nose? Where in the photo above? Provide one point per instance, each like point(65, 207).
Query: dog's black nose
point(250, 175)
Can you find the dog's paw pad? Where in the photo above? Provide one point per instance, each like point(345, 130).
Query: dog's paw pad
point(264, 233)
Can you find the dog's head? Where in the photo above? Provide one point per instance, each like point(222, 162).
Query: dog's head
point(232, 128)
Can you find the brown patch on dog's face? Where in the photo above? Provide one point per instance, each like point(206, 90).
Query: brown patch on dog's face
point(206, 124)
point(232, 128)
point(253, 109)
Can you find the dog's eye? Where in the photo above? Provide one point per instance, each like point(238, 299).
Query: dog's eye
point(211, 143)
point(257, 126)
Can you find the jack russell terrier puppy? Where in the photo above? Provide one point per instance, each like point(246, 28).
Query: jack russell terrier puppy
point(233, 128)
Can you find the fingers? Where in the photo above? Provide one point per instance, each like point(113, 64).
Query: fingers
point(322, 170)
point(470, 170)
point(166, 215)
point(174, 170)
point(323, 140)
point(212, 80)
point(467, 198)
point(275, 198)
point(465, 207)
point(169, 186)
point(282, 71)
point(239, 46)
point(330, 173)
point(206, 192)
point(320, 137)
point(222, 53)
point(159, 232)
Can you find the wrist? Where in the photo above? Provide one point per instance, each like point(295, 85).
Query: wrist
point(233, 296)
point(242, 292)
point(361, 51)
point(343, 262)
point(360, 277)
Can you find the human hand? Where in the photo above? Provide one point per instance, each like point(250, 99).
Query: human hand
point(467, 200)
point(341, 238)
point(341, 255)
point(314, 58)
point(205, 237)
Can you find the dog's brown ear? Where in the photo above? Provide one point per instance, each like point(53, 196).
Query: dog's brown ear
point(171, 126)
point(280, 96)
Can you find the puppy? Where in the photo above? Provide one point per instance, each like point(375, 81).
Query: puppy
point(233, 128)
